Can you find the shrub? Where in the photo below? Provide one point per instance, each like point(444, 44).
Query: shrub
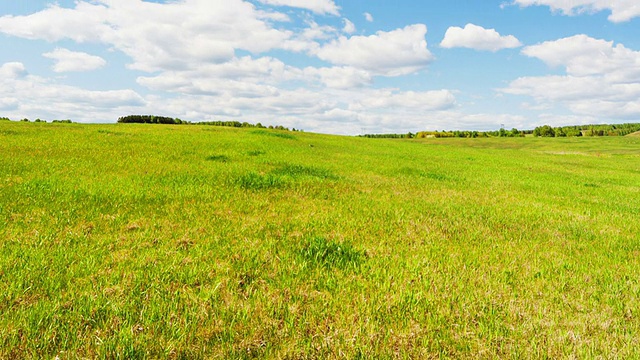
point(218, 158)
point(303, 171)
point(328, 253)
point(148, 119)
point(255, 152)
point(544, 131)
point(255, 181)
point(274, 134)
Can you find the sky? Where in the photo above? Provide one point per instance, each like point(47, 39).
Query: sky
point(329, 66)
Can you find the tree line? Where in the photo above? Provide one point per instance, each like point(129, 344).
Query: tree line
point(152, 119)
point(148, 119)
point(38, 120)
point(451, 134)
point(540, 131)
point(587, 130)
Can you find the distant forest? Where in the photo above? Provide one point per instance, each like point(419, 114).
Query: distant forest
point(152, 119)
point(587, 130)
point(541, 131)
point(37, 120)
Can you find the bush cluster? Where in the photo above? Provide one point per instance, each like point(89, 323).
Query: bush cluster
point(450, 134)
point(153, 119)
point(541, 131)
point(38, 120)
point(148, 119)
point(587, 130)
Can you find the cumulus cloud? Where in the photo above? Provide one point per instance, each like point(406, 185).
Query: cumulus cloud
point(398, 52)
point(314, 32)
point(85, 22)
point(560, 120)
point(584, 56)
point(601, 78)
point(339, 77)
point(426, 100)
point(317, 6)
point(349, 27)
point(328, 102)
point(9, 103)
point(12, 70)
point(478, 38)
point(621, 10)
point(28, 95)
point(161, 39)
point(240, 77)
point(368, 17)
point(69, 61)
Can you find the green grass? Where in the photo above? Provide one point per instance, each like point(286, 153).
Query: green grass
point(142, 241)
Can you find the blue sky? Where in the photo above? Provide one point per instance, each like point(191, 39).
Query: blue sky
point(330, 66)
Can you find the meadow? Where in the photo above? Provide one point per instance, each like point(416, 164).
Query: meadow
point(186, 242)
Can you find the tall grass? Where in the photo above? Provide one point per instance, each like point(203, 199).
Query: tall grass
point(133, 241)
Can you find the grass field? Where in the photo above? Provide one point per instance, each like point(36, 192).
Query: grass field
point(142, 241)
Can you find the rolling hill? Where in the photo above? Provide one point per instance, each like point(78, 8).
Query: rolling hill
point(142, 241)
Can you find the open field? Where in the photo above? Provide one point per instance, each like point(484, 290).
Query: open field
point(143, 241)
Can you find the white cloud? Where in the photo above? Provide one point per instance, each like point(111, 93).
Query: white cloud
point(32, 96)
point(85, 22)
point(453, 120)
point(9, 103)
point(586, 96)
point(394, 53)
point(621, 10)
point(317, 6)
point(160, 39)
point(602, 79)
point(478, 38)
point(557, 88)
point(338, 77)
point(314, 31)
point(426, 101)
point(241, 77)
point(584, 56)
point(68, 61)
point(316, 99)
point(349, 27)
point(368, 17)
point(12, 70)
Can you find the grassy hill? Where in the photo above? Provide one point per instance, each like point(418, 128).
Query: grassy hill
point(140, 241)
point(637, 133)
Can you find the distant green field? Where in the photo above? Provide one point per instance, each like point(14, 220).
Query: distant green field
point(152, 241)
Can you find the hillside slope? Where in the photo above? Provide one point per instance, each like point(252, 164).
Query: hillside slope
point(190, 241)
